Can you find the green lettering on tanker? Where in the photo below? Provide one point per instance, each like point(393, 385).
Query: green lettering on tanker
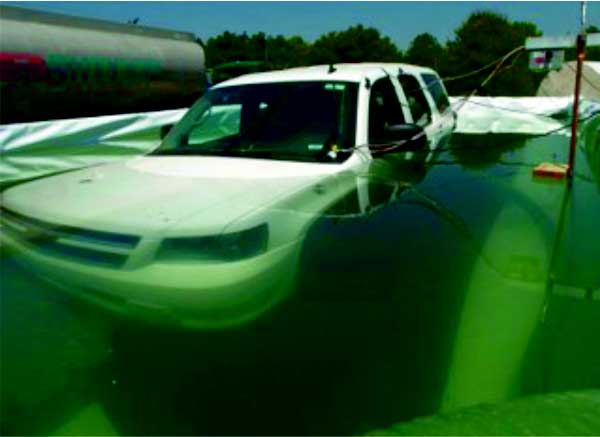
point(92, 69)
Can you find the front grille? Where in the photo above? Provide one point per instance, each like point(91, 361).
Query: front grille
point(106, 249)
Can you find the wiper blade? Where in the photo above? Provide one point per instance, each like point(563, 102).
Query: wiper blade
point(185, 151)
point(170, 152)
point(250, 152)
point(233, 152)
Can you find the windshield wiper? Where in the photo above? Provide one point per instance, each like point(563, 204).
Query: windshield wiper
point(191, 151)
point(236, 152)
point(249, 153)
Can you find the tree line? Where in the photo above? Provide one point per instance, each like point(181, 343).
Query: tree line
point(480, 40)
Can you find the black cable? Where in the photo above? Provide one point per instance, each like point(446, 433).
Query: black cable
point(517, 50)
point(383, 148)
point(491, 75)
point(485, 67)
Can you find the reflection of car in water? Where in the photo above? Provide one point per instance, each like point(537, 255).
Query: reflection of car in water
point(205, 230)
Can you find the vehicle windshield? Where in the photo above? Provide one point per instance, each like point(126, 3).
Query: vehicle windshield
point(299, 121)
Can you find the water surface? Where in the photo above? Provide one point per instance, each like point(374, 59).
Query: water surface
point(462, 288)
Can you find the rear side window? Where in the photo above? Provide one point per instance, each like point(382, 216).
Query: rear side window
point(417, 101)
point(384, 109)
point(434, 84)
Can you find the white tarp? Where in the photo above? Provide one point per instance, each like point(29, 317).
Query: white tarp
point(30, 150)
point(521, 115)
point(33, 149)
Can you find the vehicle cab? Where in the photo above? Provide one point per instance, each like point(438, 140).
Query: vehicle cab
point(327, 114)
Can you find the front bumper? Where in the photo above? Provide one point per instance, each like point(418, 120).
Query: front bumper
point(197, 295)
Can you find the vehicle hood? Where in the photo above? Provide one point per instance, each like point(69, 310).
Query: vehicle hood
point(163, 194)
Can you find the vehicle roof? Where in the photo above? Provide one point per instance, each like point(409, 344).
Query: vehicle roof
point(343, 72)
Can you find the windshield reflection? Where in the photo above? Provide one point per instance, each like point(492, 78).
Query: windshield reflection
point(301, 121)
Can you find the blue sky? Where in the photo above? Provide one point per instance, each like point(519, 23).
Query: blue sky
point(401, 21)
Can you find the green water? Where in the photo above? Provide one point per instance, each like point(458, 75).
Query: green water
point(468, 291)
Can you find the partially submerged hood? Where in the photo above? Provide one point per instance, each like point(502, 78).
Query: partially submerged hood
point(153, 194)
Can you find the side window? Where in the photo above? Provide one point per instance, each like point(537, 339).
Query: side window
point(434, 84)
point(417, 101)
point(384, 109)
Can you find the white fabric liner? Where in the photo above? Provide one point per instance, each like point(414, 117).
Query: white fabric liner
point(30, 150)
point(520, 115)
point(594, 65)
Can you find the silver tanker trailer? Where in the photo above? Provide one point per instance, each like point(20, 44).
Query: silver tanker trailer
point(57, 66)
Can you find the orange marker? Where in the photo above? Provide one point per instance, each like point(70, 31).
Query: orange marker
point(547, 169)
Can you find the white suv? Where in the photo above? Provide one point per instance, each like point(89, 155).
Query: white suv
point(205, 230)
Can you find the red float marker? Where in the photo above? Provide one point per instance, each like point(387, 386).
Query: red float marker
point(550, 170)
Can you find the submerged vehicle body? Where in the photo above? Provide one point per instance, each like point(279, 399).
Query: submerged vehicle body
point(206, 230)
point(92, 67)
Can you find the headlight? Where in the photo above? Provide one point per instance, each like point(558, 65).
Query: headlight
point(219, 248)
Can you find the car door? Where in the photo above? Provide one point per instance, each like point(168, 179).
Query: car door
point(445, 118)
point(384, 109)
point(388, 107)
point(423, 109)
point(420, 106)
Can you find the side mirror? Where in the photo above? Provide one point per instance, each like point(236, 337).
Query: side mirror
point(413, 134)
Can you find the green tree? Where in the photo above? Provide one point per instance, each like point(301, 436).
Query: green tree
point(355, 44)
point(227, 47)
point(483, 38)
point(285, 52)
point(425, 50)
point(278, 51)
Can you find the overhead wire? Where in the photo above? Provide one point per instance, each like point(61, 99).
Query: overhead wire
point(485, 67)
point(499, 67)
point(525, 111)
point(517, 50)
point(386, 147)
point(442, 80)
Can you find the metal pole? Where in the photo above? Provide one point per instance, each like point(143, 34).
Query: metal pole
point(580, 58)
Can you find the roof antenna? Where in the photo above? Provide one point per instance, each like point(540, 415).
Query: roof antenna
point(332, 69)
